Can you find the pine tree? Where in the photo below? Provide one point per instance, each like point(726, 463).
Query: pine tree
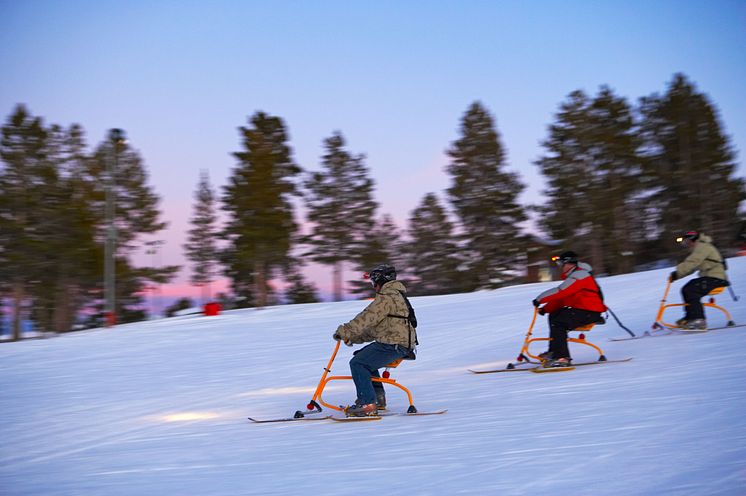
point(691, 165)
point(260, 226)
point(136, 215)
point(340, 207)
point(593, 173)
point(485, 198)
point(432, 252)
point(69, 282)
point(201, 246)
point(24, 150)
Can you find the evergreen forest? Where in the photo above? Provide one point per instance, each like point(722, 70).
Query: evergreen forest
point(623, 179)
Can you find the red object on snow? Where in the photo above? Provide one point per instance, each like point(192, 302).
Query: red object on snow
point(212, 308)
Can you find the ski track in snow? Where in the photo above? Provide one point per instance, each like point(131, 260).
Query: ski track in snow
point(160, 407)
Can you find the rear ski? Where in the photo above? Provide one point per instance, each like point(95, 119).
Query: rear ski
point(541, 370)
point(407, 414)
point(667, 331)
point(354, 419)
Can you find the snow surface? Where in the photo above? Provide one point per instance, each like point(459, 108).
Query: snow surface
point(160, 407)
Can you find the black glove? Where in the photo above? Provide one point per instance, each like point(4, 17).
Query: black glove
point(536, 302)
point(336, 336)
point(541, 311)
point(674, 275)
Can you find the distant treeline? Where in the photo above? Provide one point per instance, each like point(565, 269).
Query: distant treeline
point(623, 180)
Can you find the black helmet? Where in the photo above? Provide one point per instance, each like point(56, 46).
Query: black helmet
point(381, 274)
point(566, 257)
point(690, 235)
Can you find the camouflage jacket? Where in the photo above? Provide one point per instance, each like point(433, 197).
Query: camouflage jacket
point(705, 258)
point(382, 320)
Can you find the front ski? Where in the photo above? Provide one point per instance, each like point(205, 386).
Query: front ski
point(646, 334)
point(287, 419)
point(578, 364)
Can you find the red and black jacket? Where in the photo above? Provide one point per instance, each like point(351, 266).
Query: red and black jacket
point(578, 290)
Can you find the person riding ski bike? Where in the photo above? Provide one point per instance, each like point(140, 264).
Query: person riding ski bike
point(385, 323)
point(574, 303)
point(708, 260)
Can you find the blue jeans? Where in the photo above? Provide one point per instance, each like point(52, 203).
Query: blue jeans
point(365, 364)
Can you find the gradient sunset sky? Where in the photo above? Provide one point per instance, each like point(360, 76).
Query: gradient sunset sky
point(395, 77)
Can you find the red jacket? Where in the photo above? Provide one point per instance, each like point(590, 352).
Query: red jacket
point(578, 290)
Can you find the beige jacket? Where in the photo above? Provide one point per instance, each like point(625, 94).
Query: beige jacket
point(705, 258)
point(377, 322)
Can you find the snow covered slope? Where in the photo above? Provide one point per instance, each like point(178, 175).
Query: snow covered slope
point(160, 407)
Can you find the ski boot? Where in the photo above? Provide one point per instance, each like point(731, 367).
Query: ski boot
point(360, 410)
point(381, 400)
point(545, 357)
point(696, 325)
point(560, 362)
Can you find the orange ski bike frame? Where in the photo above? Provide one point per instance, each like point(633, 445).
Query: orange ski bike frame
point(315, 405)
point(660, 324)
point(524, 356)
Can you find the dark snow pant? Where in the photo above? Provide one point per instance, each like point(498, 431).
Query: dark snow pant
point(365, 364)
point(694, 290)
point(564, 320)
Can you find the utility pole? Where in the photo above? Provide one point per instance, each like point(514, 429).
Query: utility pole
point(116, 138)
point(153, 247)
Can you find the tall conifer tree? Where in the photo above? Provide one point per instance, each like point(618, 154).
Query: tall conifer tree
point(260, 225)
point(136, 215)
point(25, 173)
point(593, 175)
point(485, 198)
point(340, 207)
point(72, 277)
point(691, 165)
point(201, 246)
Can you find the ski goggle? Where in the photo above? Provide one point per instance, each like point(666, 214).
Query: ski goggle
point(690, 236)
point(559, 261)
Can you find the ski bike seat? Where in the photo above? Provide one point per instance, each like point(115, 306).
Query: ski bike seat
point(585, 328)
point(588, 327)
point(395, 363)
